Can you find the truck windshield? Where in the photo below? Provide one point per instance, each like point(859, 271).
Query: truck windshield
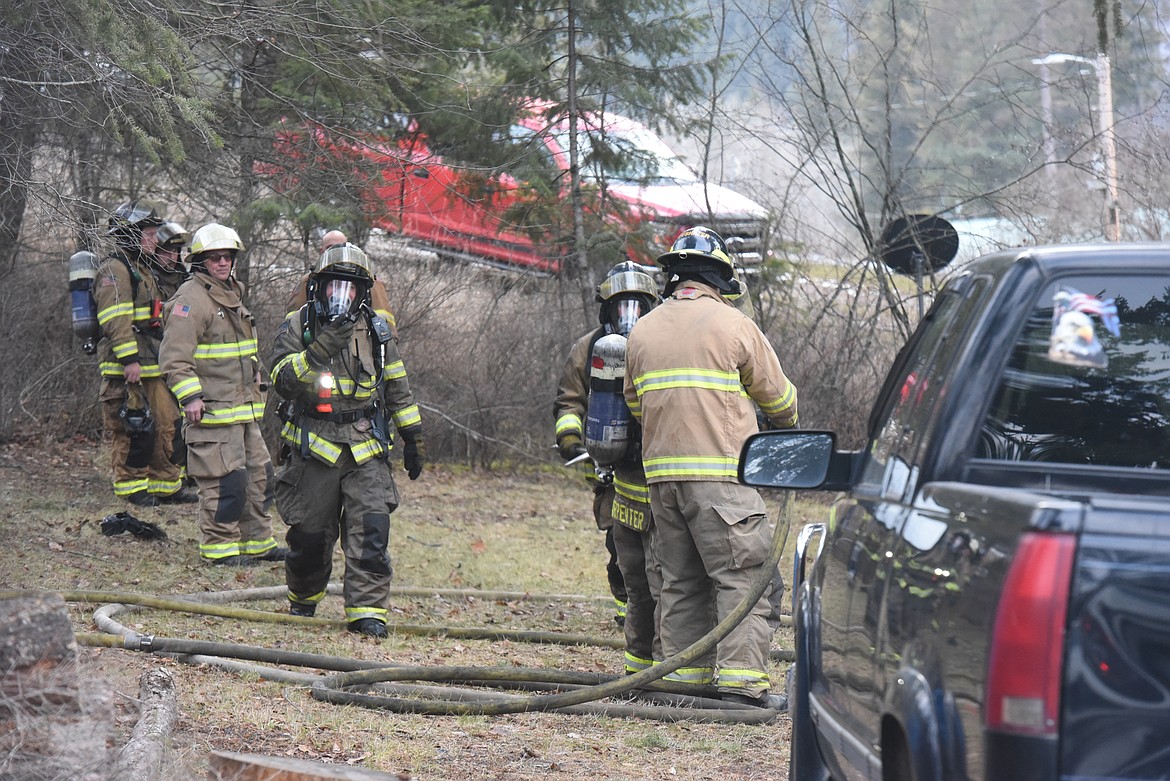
point(628, 155)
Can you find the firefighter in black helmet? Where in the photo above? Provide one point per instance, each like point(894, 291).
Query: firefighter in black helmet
point(694, 367)
point(129, 304)
point(336, 363)
point(621, 506)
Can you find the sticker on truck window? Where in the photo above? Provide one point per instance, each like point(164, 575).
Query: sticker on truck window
point(1074, 335)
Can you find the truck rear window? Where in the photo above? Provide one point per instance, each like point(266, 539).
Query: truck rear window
point(1088, 381)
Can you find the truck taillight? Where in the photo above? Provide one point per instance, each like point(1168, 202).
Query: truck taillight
point(1027, 643)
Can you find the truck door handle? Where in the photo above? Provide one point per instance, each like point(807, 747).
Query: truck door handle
point(421, 173)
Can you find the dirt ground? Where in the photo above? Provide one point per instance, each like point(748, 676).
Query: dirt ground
point(510, 550)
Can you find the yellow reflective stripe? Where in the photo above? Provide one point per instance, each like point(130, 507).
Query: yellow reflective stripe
point(364, 451)
point(357, 613)
point(122, 349)
point(117, 310)
point(407, 417)
point(164, 487)
point(322, 447)
point(690, 466)
point(386, 315)
point(310, 600)
point(212, 351)
point(227, 416)
point(742, 678)
point(143, 313)
point(347, 387)
point(256, 547)
point(149, 371)
point(183, 389)
point(693, 675)
point(394, 371)
point(708, 379)
point(219, 550)
point(780, 404)
point(635, 406)
point(570, 421)
point(635, 492)
point(636, 663)
point(281, 364)
point(127, 487)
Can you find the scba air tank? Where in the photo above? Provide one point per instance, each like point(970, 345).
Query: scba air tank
point(82, 272)
point(607, 421)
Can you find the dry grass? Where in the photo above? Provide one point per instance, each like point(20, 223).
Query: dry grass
point(457, 529)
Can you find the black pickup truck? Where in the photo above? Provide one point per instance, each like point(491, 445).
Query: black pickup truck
point(989, 595)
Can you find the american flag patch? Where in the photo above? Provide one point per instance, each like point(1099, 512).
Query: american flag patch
point(182, 310)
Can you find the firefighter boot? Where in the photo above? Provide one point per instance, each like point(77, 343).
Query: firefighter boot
point(776, 702)
point(368, 626)
point(301, 609)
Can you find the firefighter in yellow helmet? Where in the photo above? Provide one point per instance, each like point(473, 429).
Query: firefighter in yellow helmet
point(336, 363)
point(694, 367)
point(138, 410)
point(621, 504)
point(211, 364)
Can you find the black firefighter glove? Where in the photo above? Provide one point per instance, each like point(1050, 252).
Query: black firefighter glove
point(570, 446)
point(125, 522)
point(331, 341)
point(413, 453)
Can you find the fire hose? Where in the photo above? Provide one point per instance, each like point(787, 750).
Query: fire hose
point(577, 693)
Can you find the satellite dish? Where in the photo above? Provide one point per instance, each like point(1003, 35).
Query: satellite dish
point(918, 243)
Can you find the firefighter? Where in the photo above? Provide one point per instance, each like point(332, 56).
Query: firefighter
point(621, 501)
point(297, 298)
point(169, 269)
point(211, 364)
point(336, 363)
point(694, 366)
point(378, 297)
point(138, 410)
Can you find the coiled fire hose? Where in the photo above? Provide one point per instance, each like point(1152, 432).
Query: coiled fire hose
point(576, 693)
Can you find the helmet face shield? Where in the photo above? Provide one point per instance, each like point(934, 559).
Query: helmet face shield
point(627, 282)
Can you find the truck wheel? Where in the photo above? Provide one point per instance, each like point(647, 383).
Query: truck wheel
point(896, 764)
point(804, 760)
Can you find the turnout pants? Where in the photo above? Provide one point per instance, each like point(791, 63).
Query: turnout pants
point(711, 540)
point(602, 500)
point(233, 475)
point(643, 582)
point(347, 501)
point(142, 464)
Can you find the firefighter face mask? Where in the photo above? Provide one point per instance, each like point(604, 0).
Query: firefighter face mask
point(339, 297)
point(625, 313)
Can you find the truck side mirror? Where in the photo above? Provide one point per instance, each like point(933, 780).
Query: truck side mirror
point(786, 459)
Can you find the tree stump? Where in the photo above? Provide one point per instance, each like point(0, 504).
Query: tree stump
point(55, 720)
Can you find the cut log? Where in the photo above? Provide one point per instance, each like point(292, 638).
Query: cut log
point(145, 754)
point(229, 766)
